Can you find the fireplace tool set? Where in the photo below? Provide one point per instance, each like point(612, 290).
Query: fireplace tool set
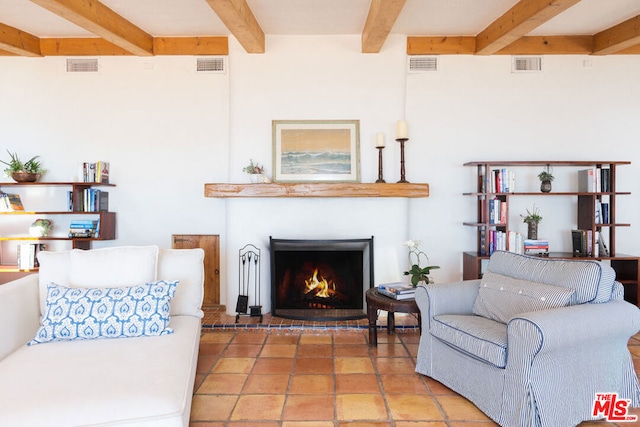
point(249, 276)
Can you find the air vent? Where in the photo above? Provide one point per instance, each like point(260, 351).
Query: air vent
point(83, 65)
point(526, 64)
point(422, 64)
point(211, 65)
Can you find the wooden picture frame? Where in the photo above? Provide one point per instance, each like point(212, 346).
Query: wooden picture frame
point(316, 150)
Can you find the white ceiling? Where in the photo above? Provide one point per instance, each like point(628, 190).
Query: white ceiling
point(174, 18)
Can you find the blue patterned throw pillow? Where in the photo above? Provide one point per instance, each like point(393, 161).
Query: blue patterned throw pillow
point(89, 313)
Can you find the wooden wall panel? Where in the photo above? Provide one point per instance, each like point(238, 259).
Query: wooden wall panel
point(211, 245)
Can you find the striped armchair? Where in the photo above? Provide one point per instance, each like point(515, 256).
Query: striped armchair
point(533, 341)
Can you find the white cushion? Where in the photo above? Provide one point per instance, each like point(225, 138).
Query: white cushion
point(115, 266)
point(90, 313)
point(186, 266)
point(501, 297)
point(105, 267)
point(54, 268)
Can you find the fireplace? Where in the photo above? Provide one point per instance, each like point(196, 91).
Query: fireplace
point(320, 279)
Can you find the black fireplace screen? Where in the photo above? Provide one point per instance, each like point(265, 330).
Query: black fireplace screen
point(320, 279)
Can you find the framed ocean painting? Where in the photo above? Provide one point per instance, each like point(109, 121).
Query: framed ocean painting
point(316, 150)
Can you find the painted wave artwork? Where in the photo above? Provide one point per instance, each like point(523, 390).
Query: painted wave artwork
point(316, 163)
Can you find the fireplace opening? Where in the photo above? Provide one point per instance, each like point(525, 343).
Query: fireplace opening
point(320, 279)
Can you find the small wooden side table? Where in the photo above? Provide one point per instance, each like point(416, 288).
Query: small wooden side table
point(376, 301)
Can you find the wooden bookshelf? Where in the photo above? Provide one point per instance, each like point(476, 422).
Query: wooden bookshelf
point(627, 267)
point(407, 190)
point(107, 219)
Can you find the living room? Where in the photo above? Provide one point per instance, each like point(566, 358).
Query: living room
point(167, 130)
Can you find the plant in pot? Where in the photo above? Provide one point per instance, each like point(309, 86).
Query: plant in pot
point(256, 172)
point(532, 219)
point(418, 274)
point(545, 180)
point(29, 171)
point(40, 227)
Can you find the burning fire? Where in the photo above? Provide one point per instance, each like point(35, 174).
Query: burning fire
point(322, 288)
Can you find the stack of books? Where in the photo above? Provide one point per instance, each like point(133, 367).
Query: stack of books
point(536, 247)
point(397, 290)
point(84, 228)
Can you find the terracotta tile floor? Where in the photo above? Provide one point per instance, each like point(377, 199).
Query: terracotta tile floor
point(284, 373)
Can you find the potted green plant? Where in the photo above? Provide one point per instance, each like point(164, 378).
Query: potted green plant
point(29, 171)
point(545, 180)
point(532, 219)
point(418, 274)
point(40, 227)
point(256, 172)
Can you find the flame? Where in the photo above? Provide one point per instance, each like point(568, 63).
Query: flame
point(322, 288)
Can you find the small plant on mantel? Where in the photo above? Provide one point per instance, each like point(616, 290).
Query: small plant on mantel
point(253, 168)
point(256, 172)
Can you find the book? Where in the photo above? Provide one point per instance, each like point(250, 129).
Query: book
point(10, 202)
point(598, 212)
point(604, 208)
point(102, 172)
point(27, 255)
point(577, 241)
point(587, 180)
point(602, 247)
point(397, 290)
point(397, 296)
point(84, 228)
point(96, 172)
point(605, 173)
point(581, 241)
point(397, 287)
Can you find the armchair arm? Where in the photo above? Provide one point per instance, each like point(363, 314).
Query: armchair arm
point(447, 298)
point(570, 326)
point(550, 352)
point(19, 313)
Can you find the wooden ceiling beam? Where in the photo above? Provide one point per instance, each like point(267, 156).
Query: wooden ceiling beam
point(549, 45)
point(191, 45)
point(239, 19)
point(517, 22)
point(17, 42)
point(102, 21)
point(380, 20)
point(443, 45)
point(617, 38)
point(80, 47)
point(161, 46)
point(543, 45)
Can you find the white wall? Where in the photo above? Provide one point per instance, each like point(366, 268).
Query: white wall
point(167, 130)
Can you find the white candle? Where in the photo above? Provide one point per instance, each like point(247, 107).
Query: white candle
point(401, 129)
point(380, 140)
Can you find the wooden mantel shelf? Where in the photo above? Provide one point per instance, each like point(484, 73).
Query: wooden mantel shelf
point(317, 190)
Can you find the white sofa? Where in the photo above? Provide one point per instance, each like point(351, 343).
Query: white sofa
point(132, 381)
